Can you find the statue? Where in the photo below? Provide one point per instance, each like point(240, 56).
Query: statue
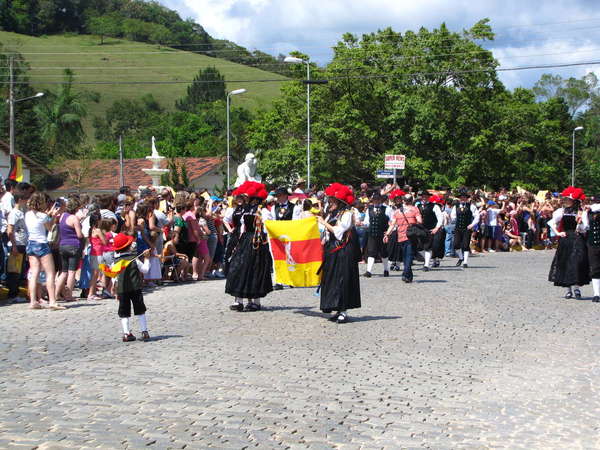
point(154, 151)
point(247, 170)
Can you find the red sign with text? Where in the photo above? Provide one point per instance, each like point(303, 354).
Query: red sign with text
point(395, 162)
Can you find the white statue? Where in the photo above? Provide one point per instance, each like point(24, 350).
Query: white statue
point(247, 170)
point(154, 151)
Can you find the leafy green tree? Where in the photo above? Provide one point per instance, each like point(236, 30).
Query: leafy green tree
point(208, 86)
point(104, 26)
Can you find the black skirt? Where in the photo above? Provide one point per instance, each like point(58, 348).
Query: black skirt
point(570, 265)
point(340, 285)
point(394, 248)
point(232, 241)
point(436, 244)
point(249, 272)
point(594, 259)
point(376, 248)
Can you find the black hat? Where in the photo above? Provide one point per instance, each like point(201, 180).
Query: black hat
point(463, 192)
point(281, 191)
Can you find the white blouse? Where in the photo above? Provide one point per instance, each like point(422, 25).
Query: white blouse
point(343, 224)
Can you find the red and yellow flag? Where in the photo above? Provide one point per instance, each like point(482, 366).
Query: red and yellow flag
point(114, 270)
point(16, 168)
point(297, 251)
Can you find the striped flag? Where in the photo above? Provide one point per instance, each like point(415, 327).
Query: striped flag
point(297, 251)
point(114, 270)
point(16, 168)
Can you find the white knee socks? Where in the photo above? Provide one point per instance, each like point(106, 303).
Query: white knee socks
point(459, 252)
point(142, 322)
point(596, 286)
point(466, 257)
point(125, 324)
point(427, 258)
point(370, 264)
point(386, 264)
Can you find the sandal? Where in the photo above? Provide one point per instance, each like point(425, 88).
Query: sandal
point(56, 307)
point(35, 306)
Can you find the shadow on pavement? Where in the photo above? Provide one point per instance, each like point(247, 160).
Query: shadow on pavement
point(431, 281)
point(163, 337)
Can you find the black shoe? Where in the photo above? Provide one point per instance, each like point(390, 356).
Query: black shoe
point(145, 336)
point(569, 295)
point(465, 266)
point(596, 299)
point(436, 264)
point(237, 307)
point(408, 280)
point(252, 307)
point(386, 273)
point(425, 269)
point(577, 294)
point(459, 263)
point(334, 317)
point(278, 287)
point(84, 293)
point(128, 337)
point(342, 318)
point(367, 275)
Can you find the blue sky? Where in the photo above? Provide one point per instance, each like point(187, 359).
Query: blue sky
point(528, 32)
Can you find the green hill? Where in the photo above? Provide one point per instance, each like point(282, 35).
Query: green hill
point(126, 62)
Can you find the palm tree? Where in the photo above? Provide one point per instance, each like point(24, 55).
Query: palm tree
point(60, 117)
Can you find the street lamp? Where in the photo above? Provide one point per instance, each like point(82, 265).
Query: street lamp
point(573, 157)
point(236, 92)
point(294, 60)
point(11, 102)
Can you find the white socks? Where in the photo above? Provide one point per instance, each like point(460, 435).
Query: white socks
point(466, 257)
point(459, 252)
point(125, 325)
point(238, 301)
point(142, 322)
point(386, 264)
point(427, 258)
point(596, 286)
point(370, 264)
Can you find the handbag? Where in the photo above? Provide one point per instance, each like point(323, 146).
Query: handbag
point(416, 232)
point(53, 236)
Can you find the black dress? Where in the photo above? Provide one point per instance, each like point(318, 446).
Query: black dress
point(570, 265)
point(340, 285)
point(233, 237)
point(249, 274)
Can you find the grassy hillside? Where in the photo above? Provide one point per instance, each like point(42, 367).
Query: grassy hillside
point(119, 60)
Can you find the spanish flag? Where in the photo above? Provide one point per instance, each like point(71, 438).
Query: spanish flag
point(297, 251)
point(114, 270)
point(16, 168)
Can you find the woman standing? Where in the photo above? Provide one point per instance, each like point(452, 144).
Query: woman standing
point(570, 267)
point(394, 249)
point(233, 225)
point(70, 235)
point(39, 220)
point(340, 285)
point(249, 274)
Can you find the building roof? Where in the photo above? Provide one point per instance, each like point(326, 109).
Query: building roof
point(30, 163)
point(103, 174)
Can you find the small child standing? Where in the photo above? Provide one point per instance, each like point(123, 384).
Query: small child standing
point(129, 284)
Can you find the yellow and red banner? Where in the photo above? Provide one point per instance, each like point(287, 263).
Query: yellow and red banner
point(16, 168)
point(297, 251)
point(114, 270)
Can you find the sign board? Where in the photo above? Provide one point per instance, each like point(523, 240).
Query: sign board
point(395, 162)
point(385, 173)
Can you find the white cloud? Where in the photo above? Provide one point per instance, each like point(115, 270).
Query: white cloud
point(314, 26)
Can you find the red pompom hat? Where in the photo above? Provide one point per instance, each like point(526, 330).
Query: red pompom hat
point(573, 193)
point(397, 193)
point(340, 192)
point(252, 189)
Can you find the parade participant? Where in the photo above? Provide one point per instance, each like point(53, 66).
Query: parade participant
point(233, 224)
point(130, 282)
point(340, 284)
point(377, 219)
point(433, 221)
point(406, 215)
point(591, 222)
point(466, 216)
point(283, 210)
point(570, 266)
point(249, 274)
point(394, 248)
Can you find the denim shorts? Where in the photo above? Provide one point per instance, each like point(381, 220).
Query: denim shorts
point(39, 249)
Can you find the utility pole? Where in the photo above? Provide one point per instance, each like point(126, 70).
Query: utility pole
point(11, 106)
point(121, 174)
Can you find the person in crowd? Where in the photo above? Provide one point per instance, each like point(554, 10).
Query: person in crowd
point(433, 221)
point(405, 215)
point(233, 224)
point(39, 220)
point(193, 238)
point(340, 283)
point(591, 223)
point(283, 210)
point(362, 230)
point(300, 186)
point(18, 238)
point(70, 246)
point(449, 226)
point(466, 216)
point(570, 267)
point(172, 257)
point(98, 242)
point(249, 273)
point(203, 252)
point(377, 219)
point(394, 248)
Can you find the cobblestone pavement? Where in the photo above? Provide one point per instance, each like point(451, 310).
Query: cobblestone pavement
point(491, 356)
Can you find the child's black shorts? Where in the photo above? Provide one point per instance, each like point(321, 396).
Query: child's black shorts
point(125, 301)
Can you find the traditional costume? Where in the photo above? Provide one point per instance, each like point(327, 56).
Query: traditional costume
point(249, 274)
point(377, 219)
point(340, 285)
point(233, 218)
point(570, 267)
point(433, 221)
point(466, 216)
point(591, 223)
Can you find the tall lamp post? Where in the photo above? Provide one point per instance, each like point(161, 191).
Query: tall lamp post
point(294, 60)
point(229, 94)
point(11, 106)
point(573, 157)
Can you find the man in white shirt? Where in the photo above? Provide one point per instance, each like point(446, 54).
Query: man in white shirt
point(466, 216)
point(377, 219)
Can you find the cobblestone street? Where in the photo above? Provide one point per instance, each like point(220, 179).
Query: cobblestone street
point(490, 356)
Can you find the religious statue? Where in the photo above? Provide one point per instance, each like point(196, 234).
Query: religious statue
point(154, 151)
point(247, 170)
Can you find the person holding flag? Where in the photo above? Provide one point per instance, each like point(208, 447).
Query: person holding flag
point(340, 284)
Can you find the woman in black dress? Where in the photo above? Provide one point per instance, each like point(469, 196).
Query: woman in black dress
point(570, 267)
point(233, 223)
point(340, 286)
point(249, 274)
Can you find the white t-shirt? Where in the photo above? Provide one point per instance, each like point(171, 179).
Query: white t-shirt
point(35, 226)
point(16, 218)
point(491, 219)
point(7, 203)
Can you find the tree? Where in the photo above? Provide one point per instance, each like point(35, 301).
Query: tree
point(208, 86)
point(104, 26)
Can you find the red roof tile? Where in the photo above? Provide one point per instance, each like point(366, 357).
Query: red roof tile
point(103, 174)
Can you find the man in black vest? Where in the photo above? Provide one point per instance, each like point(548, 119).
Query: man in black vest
point(433, 221)
point(377, 219)
point(591, 222)
point(283, 210)
point(466, 216)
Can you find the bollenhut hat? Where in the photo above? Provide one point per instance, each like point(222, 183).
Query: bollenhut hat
point(122, 241)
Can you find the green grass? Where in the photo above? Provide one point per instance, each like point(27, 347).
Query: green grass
point(144, 62)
